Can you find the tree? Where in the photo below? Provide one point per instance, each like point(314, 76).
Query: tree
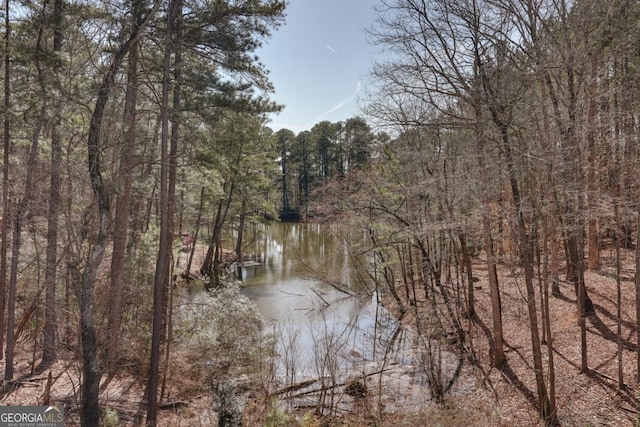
point(358, 141)
point(285, 136)
point(162, 271)
point(222, 33)
point(4, 225)
point(20, 211)
point(464, 61)
point(443, 90)
point(50, 327)
point(84, 283)
point(123, 199)
point(242, 147)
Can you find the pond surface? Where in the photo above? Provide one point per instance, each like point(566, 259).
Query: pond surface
point(288, 283)
point(323, 332)
point(284, 281)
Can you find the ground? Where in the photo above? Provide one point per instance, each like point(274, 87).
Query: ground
point(592, 399)
point(505, 398)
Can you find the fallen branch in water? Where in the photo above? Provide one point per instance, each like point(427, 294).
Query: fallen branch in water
point(315, 291)
point(340, 287)
point(294, 387)
point(308, 383)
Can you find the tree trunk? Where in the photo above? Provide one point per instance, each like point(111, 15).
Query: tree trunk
point(637, 286)
point(6, 217)
point(239, 241)
point(196, 232)
point(468, 269)
point(285, 190)
point(575, 253)
point(211, 260)
point(123, 203)
point(547, 322)
point(499, 358)
point(618, 300)
point(526, 257)
point(85, 283)
point(21, 209)
point(161, 278)
point(497, 110)
point(174, 118)
point(51, 323)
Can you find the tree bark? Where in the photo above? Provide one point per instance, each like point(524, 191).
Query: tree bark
point(161, 279)
point(239, 240)
point(526, 257)
point(637, 286)
point(51, 323)
point(547, 322)
point(592, 225)
point(196, 233)
point(499, 358)
point(6, 217)
point(618, 300)
point(23, 205)
point(123, 202)
point(212, 258)
point(21, 209)
point(84, 284)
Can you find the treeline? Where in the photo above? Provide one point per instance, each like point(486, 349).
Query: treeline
point(507, 128)
point(131, 133)
point(327, 152)
point(515, 136)
point(125, 126)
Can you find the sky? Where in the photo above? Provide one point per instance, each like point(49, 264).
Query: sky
point(318, 61)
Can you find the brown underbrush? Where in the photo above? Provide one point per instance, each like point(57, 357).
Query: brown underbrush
point(497, 398)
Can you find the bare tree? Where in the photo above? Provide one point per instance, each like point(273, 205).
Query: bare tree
point(23, 205)
point(5, 170)
point(50, 327)
point(163, 263)
point(123, 200)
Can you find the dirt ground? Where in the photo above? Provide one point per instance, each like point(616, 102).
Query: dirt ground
point(592, 399)
point(505, 398)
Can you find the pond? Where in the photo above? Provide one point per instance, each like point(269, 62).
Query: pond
point(301, 281)
point(327, 340)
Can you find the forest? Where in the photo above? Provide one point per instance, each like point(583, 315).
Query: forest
point(487, 196)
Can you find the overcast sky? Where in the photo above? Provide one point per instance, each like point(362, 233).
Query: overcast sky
point(318, 61)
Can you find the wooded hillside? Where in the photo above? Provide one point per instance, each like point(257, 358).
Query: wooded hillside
point(500, 141)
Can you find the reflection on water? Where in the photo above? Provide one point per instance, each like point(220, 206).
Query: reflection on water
point(283, 284)
point(327, 340)
point(326, 336)
point(289, 258)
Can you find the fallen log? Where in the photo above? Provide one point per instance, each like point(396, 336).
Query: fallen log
point(294, 387)
point(330, 386)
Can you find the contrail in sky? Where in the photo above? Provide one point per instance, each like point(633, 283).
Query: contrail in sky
point(331, 49)
point(335, 107)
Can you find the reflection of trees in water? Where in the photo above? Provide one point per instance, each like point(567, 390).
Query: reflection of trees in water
point(378, 357)
point(336, 332)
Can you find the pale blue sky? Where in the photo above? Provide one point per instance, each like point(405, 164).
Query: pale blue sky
point(318, 61)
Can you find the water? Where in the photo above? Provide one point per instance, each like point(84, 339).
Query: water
point(288, 283)
point(298, 282)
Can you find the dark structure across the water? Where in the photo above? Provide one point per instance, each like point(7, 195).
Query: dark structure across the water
point(290, 215)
